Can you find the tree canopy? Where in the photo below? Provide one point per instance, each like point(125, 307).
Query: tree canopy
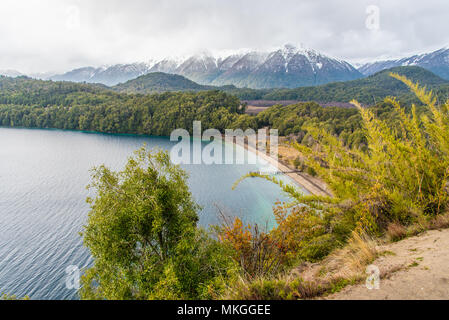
point(142, 233)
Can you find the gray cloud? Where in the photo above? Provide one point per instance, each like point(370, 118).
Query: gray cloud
point(56, 35)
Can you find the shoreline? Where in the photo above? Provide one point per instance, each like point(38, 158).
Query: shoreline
point(299, 179)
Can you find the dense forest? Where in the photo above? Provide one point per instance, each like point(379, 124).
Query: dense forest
point(25, 102)
point(63, 105)
point(157, 82)
point(294, 120)
point(368, 91)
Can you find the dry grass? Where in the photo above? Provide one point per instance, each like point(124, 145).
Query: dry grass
point(345, 266)
point(286, 287)
point(440, 222)
point(396, 232)
point(311, 280)
point(288, 152)
point(350, 262)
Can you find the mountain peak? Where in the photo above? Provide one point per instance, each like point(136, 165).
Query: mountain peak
point(288, 66)
point(11, 73)
point(289, 47)
point(204, 54)
point(436, 61)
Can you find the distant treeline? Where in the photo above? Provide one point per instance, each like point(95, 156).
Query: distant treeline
point(63, 105)
point(368, 91)
point(32, 103)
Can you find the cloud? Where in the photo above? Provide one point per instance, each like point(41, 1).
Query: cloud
point(57, 35)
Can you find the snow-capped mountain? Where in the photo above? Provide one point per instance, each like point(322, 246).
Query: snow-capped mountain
point(237, 72)
point(10, 73)
point(78, 75)
point(290, 67)
point(166, 66)
point(110, 76)
point(287, 67)
point(437, 62)
point(202, 68)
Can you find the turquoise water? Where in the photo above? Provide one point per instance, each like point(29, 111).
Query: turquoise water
point(43, 175)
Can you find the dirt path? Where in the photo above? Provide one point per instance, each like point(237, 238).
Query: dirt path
point(414, 268)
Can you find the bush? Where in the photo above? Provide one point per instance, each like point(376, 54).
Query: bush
point(258, 253)
point(396, 232)
point(401, 177)
point(143, 236)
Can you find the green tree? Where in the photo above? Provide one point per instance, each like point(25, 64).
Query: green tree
point(142, 234)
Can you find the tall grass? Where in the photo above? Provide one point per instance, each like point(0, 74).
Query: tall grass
point(399, 181)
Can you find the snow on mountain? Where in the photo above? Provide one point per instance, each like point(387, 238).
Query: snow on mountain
point(108, 75)
point(202, 68)
point(78, 75)
point(294, 67)
point(437, 62)
point(288, 66)
point(10, 73)
point(237, 72)
point(226, 63)
point(166, 66)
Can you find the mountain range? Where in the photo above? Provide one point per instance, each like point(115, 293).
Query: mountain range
point(369, 90)
point(287, 67)
point(437, 62)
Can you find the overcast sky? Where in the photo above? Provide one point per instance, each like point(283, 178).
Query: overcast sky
point(58, 35)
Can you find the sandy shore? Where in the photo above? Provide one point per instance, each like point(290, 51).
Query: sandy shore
point(299, 178)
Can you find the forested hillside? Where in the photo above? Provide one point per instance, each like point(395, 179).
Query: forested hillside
point(345, 123)
point(163, 82)
point(25, 102)
point(368, 91)
point(44, 104)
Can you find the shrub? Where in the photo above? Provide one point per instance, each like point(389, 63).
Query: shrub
point(257, 252)
point(396, 232)
point(400, 178)
point(143, 236)
point(297, 163)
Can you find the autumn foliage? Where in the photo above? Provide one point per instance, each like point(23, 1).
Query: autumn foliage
point(401, 178)
point(257, 252)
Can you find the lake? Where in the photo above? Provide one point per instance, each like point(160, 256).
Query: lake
point(43, 178)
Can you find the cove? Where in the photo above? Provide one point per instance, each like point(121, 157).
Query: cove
point(43, 179)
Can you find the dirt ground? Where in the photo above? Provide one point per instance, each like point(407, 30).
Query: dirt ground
point(414, 268)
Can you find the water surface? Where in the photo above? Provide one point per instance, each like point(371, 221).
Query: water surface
point(43, 175)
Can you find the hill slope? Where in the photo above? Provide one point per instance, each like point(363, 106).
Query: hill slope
point(369, 90)
point(162, 82)
point(23, 90)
